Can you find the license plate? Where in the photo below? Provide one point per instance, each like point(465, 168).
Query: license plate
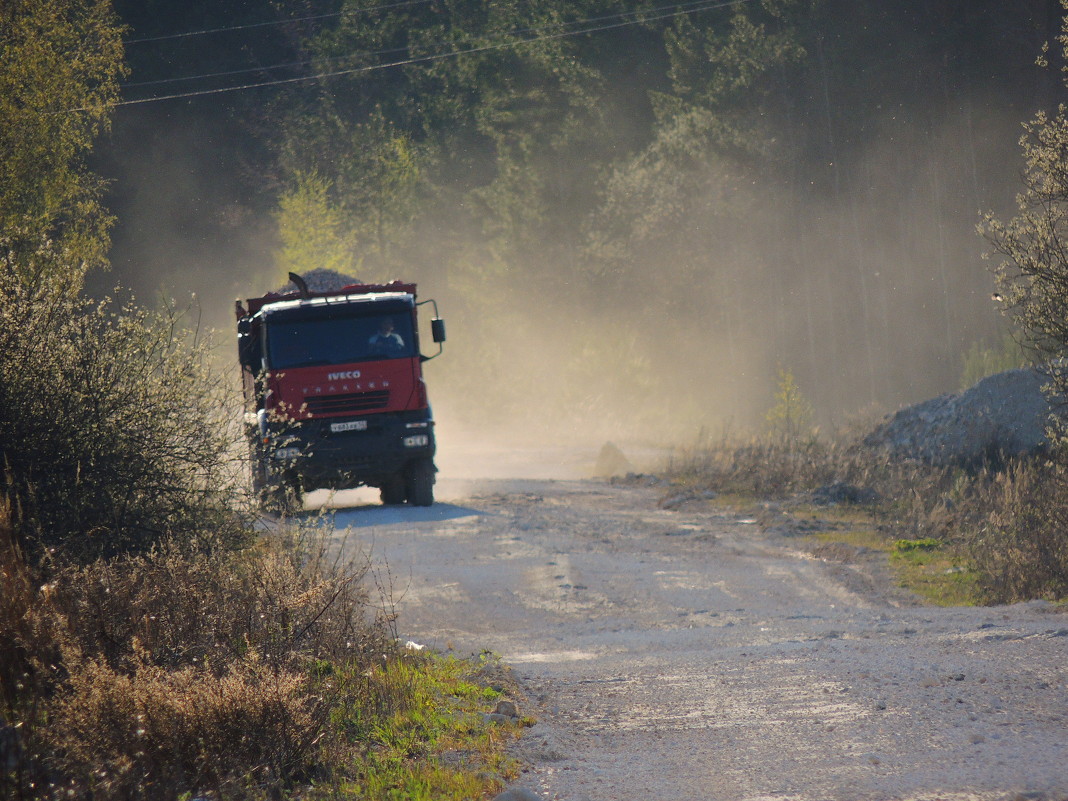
point(353, 425)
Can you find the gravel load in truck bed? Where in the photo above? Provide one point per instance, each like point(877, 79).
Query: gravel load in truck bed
point(321, 281)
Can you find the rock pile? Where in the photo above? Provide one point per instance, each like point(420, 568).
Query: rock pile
point(1003, 415)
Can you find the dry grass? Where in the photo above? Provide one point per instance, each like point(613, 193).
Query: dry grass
point(261, 673)
point(1019, 533)
point(150, 732)
point(1006, 522)
point(170, 672)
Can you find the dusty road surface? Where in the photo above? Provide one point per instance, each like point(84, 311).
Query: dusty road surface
point(684, 654)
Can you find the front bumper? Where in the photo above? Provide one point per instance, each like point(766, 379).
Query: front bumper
point(317, 456)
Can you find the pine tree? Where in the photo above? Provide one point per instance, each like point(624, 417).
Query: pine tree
point(791, 416)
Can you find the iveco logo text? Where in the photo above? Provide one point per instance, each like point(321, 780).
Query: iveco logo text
point(341, 376)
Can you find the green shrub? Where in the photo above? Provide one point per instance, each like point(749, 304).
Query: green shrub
point(925, 544)
point(113, 432)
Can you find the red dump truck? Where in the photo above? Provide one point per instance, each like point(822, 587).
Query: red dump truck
point(334, 392)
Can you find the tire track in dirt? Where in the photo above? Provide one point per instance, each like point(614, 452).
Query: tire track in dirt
point(686, 655)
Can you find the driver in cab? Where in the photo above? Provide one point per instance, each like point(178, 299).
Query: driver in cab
point(386, 342)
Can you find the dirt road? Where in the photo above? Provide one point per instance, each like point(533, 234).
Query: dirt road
point(687, 655)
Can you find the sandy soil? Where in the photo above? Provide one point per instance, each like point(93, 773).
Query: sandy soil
point(686, 654)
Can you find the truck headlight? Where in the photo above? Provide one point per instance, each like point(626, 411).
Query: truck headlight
point(287, 453)
point(417, 441)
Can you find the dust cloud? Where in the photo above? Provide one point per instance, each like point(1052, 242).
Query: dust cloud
point(865, 282)
point(868, 289)
point(190, 229)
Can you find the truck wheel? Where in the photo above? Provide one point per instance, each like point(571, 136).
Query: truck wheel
point(419, 483)
point(394, 491)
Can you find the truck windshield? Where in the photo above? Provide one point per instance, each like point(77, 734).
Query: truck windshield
point(338, 340)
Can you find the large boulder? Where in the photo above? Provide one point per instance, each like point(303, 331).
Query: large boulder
point(1003, 415)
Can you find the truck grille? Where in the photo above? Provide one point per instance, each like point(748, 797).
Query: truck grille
point(349, 402)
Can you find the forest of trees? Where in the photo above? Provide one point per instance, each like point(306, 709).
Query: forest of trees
point(632, 212)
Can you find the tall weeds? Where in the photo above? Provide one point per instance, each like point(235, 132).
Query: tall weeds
point(1008, 518)
point(1019, 537)
point(147, 676)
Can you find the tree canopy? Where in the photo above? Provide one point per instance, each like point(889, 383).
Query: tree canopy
point(1033, 244)
point(60, 63)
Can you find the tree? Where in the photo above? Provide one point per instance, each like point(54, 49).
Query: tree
point(1033, 273)
point(711, 144)
point(60, 61)
point(791, 416)
point(312, 231)
point(465, 139)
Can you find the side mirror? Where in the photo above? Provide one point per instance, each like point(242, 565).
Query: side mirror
point(437, 329)
point(248, 346)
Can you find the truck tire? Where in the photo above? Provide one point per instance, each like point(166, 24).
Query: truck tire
point(419, 483)
point(394, 491)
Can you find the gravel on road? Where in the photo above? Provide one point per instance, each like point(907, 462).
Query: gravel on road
point(685, 653)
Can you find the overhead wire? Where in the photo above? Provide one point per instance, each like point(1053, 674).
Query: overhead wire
point(391, 51)
point(247, 70)
point(272, 23)
point(640, 18)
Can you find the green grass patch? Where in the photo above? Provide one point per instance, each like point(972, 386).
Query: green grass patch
point(424, 737)
point(925, 566)
point(935, 573)
point(858, 537)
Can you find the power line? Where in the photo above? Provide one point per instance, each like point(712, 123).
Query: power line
point(643, 17)
point(391, 51)
point(247, 70)
point(352, 12)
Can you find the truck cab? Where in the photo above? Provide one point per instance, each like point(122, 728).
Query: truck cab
point(335, 393)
